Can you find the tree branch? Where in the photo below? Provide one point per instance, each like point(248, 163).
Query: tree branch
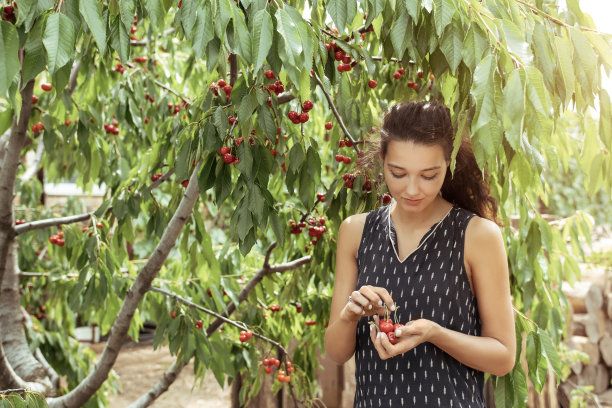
point(52, 222)
point(118, 333)
point(170, 376)
point(167, 88)
point(336, 114)
point(33, 168)
point(143, 43)
point(233, 69)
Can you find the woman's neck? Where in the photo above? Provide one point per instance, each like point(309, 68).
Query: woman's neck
point(422, 219)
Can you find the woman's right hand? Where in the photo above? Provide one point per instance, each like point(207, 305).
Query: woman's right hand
point(367, 301)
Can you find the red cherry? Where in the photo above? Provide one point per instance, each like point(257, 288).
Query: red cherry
point(140, 60)
point(346, 60)
point(268, 370)
point(243, 338)
point(303, 117)
point(397, 75)
point(270, 74)
point(293, 115)
point(386, 199)
point(249, 334)
point(173, 315)
point(310, 322)
point(185, 183)
point(273, 152)
point(401, 71)
point(60, 242)
point(228, 158)
point(308, 105)
point(372, 83)
point(339, 158)
point(281, 377)
point(276, 362)
point(321, 197)
point(338, 55)
point(420, 74)
point(221, 83)
point(347, 160)
point(227, 89)
point(53, 239)
point(386, 325)
point(391, 337)
point(34, 99)
point(46, 87)
point(328, 125)
point(224, 150)
point(341, 143)
point(156, 177)
point(99, 225)
point(67, 122)
point(231, 120)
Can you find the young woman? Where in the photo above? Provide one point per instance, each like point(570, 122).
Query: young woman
point(435, 258)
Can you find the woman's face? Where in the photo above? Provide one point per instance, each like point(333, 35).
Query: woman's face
point(414, 173)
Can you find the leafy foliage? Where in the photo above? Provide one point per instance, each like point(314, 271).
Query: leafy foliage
point(509, 71)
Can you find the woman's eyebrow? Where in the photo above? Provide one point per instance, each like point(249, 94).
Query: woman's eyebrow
point(395, 166)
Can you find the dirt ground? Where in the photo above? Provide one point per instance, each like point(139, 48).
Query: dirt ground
point(140, 367)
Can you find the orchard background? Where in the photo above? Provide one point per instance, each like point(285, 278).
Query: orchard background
point(221, 205)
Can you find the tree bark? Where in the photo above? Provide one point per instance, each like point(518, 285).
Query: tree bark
point(14, 341)
point(118, 333)
point(162, 385)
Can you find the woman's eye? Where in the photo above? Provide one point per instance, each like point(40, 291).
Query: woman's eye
point(431, 177)
point(397, 175)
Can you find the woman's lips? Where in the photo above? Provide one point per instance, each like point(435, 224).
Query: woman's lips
point(412, 202)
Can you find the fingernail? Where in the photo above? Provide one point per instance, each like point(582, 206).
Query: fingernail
point(380, 303)
point(363, 312)
point(392, 307)
point(398, 333)
point(370, 307)
point(380, 335)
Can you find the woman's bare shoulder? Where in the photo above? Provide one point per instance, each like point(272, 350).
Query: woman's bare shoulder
point(351, 229)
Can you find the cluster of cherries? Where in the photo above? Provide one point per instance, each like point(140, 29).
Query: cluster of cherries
point(119, 68)
point(57, 239)
point(269, 365)
point(38, 127)
point(349, 179)
point(228, 157)
point(245, 335)
point(176, 108)
point(132, 31)
point(340, 56)
point(277, 86)
point(112, 128)
point(301, 117)
point(274, 308)
point(221, 84)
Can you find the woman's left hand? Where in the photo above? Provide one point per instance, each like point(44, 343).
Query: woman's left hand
point(408, 337)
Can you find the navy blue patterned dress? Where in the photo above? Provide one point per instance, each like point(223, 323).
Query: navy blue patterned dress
point(430, 283)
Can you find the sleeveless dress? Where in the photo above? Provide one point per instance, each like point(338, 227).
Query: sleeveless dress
point(429, 283)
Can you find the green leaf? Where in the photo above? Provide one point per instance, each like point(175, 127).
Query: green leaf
point(244, 37)
point(565, 67)
point(126, 8)
point(296, 157)
point(412, 7)
point(92, 16)
point(398, 34)
point(482, 90)
point(188, 15)
point(514, 108)
point(245, 110)
point(474, 46)
point(59, 40)
point(516, 41)
point(262, 37)
point(338, 10)
point(291, 37)
point(9, 61)
point(156, 12)
point(602, 47)
point(34, 60)
point(443, 14)
point(452, 45)
point(266, 121)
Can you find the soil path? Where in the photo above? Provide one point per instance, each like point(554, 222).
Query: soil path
point(140, 367)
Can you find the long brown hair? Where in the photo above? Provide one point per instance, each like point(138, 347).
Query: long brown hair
point(429, 123)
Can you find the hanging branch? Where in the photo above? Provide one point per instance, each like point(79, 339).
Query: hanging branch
point(233, 69)
point(167, 88)
point(51, 222)
point(118, 333)
point(336, 114)
point(143, 43)
point(171, 374)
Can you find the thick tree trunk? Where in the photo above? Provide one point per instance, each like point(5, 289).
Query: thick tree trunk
point(14, 341)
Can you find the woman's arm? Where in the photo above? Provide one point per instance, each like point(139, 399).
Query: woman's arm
point(340, 333)
point(495, 350)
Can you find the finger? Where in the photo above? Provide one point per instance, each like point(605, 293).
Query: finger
point(370, 294)
point(404, 330)
point(373, 333)
point(378, 345)
point(358, 298)
point(355, 308)
point(386, 345)
point(383, 294)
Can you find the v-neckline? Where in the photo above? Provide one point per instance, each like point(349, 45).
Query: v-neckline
point(395, 243)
